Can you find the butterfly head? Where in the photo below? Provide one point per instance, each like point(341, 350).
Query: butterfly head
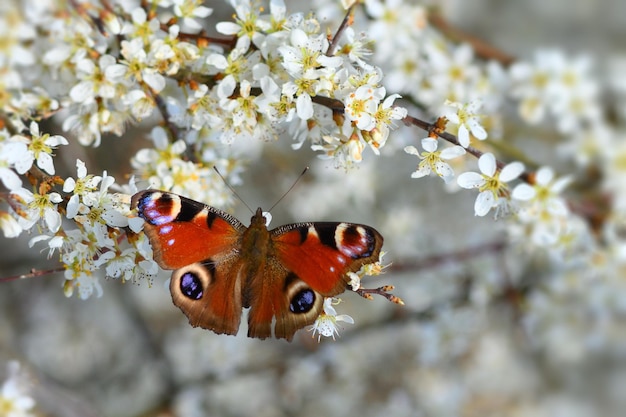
point(261, 218)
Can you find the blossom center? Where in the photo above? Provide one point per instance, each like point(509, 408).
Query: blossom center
point(38, 145)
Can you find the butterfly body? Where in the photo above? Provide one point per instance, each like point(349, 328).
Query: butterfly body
point(221, 266)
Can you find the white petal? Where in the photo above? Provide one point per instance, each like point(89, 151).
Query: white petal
point(55, 198)
point(478, 131)
point(470, 180)
point(82, 91)
point(452, 152)
point(345, 318)
point(422, 171)
point(56, 140)
point(304, 107)
point(34, 128)
point(45, 163)
point(558, 207)
point(483, 204)
point(192, 24)
point(445, 171)
point(149, 267)
point(487, 164)
point(226, 87)
point(299, 38)
point(429, 144)
point(511, 171)
point(202, 11)
point(560, 184)
point(72, 205)
point(388, 102)
point(10, 227)
point(277, 8)
point(68, 185)
point(10, 179)
point(330, 61)
point(217, 60)
point(81, 169)
point(155, 80)
point(463, 136)
point(139, 15)
point(53, 220)
point(544, 176)
point(135, 224)
point(523, 192)
point(411, 150)
point(365, 122)
point(115, 72)
point(115, 218)
point(25, 163)
point(228, 28)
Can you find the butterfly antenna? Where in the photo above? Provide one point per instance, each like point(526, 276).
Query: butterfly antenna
point(232, 189)
point(290, 188)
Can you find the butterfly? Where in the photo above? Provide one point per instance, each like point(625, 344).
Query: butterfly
point(221, 266)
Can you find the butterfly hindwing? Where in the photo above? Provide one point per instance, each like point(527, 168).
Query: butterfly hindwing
point(209, 296)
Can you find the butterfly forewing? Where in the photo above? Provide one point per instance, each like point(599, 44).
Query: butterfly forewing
point(183, 231)
point(321, 254)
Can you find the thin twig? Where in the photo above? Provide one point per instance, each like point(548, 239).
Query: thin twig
point(32, 274)
point(347, 21)
point(430, 127)
point(482, 48)
point(382, 291)
point(436, 261)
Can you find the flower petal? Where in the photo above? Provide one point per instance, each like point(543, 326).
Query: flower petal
point(463, 136)
point(523, 192)
point(429, 144)
point(452, 152)
point(470, 180)
point(544, 175)
point(511, 171)
point(484, 203)
point(304, 107)
point(487, 164)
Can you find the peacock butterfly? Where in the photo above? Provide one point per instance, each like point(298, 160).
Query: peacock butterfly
point(220, 266)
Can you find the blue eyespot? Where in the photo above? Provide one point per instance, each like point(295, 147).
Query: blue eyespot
point(303, 301)
point(191, 286)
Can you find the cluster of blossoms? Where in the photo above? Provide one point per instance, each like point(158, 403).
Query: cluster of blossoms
point(86, 200)
point(273, 73)
point(281, 74)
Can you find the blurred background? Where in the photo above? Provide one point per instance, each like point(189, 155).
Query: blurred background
point(487, 330)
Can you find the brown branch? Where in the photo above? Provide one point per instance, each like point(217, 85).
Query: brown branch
point(433, 128)
point(347, 21)
point(483, 49)
point(201, 39)
point(383, 291)
point(435, 261)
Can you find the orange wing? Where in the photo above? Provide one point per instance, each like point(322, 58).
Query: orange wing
point(321, 254)
point(307, 262)
point(201, 243)
point(183, 231)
